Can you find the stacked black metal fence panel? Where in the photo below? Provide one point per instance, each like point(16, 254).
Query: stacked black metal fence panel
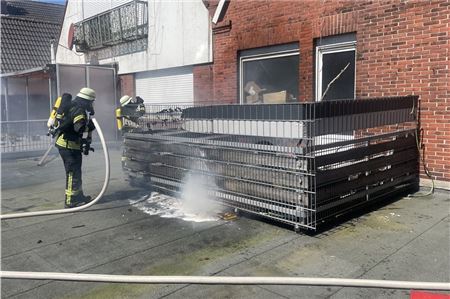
point(301, 164)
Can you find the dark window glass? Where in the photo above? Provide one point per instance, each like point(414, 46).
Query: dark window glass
point(344, 86)
point(273, 80)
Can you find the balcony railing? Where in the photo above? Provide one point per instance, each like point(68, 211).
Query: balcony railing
point(121, 24)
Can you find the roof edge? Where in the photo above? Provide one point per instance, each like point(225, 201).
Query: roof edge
point(12, 17)
point(22, 72)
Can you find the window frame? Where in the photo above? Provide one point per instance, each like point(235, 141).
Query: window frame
point(262, 56)
point(330, 49)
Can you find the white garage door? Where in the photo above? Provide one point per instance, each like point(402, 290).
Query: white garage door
point(166, 86)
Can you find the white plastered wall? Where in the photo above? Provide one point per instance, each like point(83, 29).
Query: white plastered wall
point(179, 35)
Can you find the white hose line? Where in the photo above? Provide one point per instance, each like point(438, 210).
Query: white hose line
point(76, 209)
point(222, 280)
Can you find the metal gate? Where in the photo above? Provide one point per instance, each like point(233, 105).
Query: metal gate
point(71, 78)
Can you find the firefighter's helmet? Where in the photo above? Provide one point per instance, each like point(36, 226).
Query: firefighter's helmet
point(87, 94)
point(125, 100)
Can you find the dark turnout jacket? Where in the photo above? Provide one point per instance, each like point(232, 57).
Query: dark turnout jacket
point(75, 122)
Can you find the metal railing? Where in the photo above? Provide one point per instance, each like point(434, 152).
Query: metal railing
point(121, 24)
point(302, 164)
point(24, 135)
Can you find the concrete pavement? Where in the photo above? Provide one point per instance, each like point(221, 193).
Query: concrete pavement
point(405, 240)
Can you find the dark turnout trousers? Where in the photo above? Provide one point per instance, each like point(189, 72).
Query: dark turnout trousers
point(72, 163)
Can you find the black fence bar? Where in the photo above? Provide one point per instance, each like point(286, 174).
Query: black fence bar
point(299, 111)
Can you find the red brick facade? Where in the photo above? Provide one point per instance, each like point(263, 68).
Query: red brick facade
point(402, 48)
point(127, 85)
point(203, 83)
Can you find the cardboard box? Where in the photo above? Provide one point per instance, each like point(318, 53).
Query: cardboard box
point(275, 97)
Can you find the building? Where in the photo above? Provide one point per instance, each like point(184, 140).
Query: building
point(275, 52)
point(154, 45)
point(281, 51)
point(28, 29)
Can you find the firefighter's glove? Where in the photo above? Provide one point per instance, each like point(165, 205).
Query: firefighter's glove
point(52, 131)
point(86, 146)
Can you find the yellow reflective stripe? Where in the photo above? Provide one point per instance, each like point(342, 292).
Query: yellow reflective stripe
point(61, 141)
point(71, 192)
point(77, 118)
point(69, 189)
point(67, 143)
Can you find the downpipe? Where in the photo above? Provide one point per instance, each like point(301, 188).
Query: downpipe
point(75, 209)
point(223, 280)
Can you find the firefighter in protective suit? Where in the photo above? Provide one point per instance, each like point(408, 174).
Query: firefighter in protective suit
point(129, 112)
point(74, 139)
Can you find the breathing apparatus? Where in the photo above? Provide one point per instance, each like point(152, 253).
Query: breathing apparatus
point(125, 100)
point(119, 119)
point(62, 104)
point(52, 118)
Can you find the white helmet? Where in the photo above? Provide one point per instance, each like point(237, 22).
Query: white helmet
point(87, 94)
point(125, 100)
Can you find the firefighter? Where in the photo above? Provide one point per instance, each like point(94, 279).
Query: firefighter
point(129, 112)
point(74, 139)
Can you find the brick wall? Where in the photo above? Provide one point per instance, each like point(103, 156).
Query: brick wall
point(126, 85)
point(402, 48)
point(203, 83)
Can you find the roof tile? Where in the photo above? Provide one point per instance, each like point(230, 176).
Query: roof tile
point(27, 28)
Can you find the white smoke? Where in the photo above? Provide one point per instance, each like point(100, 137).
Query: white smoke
point(195, 204)
point(195, 196)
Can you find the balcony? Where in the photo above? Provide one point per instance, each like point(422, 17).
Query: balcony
point(122, 24)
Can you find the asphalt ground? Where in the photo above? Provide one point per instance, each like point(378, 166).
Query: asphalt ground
point(406, 239)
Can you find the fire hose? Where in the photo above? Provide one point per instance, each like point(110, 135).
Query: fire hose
point(223, 280)
point(76, 209)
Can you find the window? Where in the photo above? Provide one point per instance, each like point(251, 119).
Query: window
point(335, 67)
point(269, 75)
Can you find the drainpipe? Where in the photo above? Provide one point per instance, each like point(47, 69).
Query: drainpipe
point(52, 52)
